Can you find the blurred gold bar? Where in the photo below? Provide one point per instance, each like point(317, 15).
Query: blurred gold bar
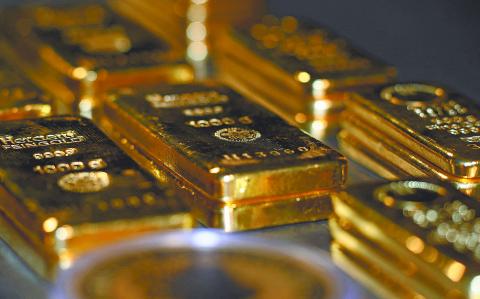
point(173, 16)
point(19, 98)
point(356, 150)
point(411, 128)
point(245, 167)
point(82, 192)
point(87, 49)
point(298, 70)
point(191, 25)
point(421, 233)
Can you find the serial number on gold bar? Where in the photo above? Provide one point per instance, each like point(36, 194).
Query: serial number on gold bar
point(230, 148)
point(68, 188)
point(440, 126)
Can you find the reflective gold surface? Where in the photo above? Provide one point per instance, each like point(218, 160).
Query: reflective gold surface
point(87, 49)
point(19, 98)
point(247, 167)
point(422, 233)
point(82, 190)
point(437, 125)
point(296, 69)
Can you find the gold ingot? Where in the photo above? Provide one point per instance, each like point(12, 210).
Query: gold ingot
point(298, 70)
point(19, 98)
point(82, 192)
point(433, 124)
point(421, 233)
point(248, 168)
point(79, 51)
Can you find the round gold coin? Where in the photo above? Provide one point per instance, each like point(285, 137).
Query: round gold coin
point(205, 264)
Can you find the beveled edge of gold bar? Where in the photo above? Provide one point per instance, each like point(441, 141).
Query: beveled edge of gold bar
point(239, 47)
point(351, 147)
point(399, 155)
point(298, 112)
point(30, 253)
point(443, 157)
point(222, 184)
point(374, 279)
point(397, 270)
point(42, 105)
point(375, 226)
point(81, 80)
point(70, 242)
point(260, 213)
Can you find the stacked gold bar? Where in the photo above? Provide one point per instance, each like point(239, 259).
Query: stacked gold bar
point(78, 51)
point(241, 166)
point(171, 18)
point(409, 239)
point(193, 25)
point(298, 70)
point(414, 129)
point(67, 189)
point(20, 98)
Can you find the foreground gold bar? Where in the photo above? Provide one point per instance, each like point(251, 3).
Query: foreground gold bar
point(19, 98)
point(82, 192)
point(234, 154)
point(298, 70)
point(88, 48)
point(422, 233)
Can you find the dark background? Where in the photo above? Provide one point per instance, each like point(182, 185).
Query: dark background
point(427, 40)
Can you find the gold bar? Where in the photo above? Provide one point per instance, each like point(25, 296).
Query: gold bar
point(354, 149)
point(88, 48)
point(235, 155)
point(19, 98)
point(82, 191)
point(298, 70)
point(416, 231)
point(400, 161)
point(436, 125)
point(192, 25)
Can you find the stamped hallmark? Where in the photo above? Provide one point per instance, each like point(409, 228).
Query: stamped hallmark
point(235, 134)
point(198, 98)
point(84, 182)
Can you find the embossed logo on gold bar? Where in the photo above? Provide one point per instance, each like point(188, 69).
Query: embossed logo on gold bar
point(314, 47)
point(84, 182)
point(235, 134)
point(15, 143)
point(413, 94)
point(200, 98)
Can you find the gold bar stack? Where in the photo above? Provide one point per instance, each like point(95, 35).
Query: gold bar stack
point(242, 166)
point(415, 129)
point(192, 24)
point(298, 70)
point(20, 98)
point(171, 18)
point(67, 189)
point(409, 239)
point(78, 51)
